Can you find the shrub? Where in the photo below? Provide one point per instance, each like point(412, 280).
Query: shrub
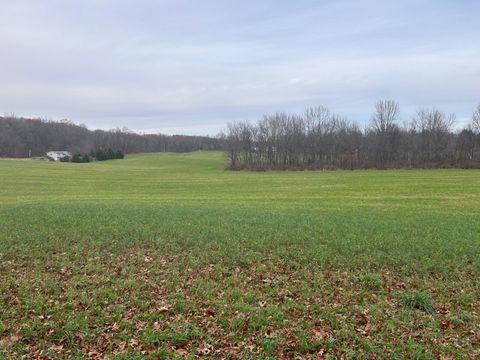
point(107, 154)
point(79, 158)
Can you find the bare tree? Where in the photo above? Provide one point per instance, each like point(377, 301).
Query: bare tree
point(385, 132)
point(475, 128)
point(476, 120)
point(386, 116)
point(435, 137)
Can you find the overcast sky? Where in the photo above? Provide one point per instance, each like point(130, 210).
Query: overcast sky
point(190, 67)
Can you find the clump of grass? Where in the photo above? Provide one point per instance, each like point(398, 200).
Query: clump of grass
point(418, 300)
point(369, 281)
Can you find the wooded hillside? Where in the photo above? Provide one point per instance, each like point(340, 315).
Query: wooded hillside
point(20, 137)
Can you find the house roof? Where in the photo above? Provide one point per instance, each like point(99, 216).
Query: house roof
point(62, 152)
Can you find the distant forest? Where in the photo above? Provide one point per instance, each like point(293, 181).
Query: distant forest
point(321, 139)
point(317, 139)
point(20, 137)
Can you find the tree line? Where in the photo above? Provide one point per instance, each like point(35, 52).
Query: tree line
point(21, 137)
point(321, 139)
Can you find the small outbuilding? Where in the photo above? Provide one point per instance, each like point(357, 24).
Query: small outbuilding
point(57, 155)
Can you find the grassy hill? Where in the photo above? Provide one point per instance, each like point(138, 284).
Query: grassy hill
point(171, 255)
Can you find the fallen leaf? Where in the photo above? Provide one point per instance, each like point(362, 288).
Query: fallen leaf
point(182, 351)
point(320, 334)
point(209, 312)
point(400, 285)
point(443, 310)
point(133, 342)
point(262, 304)
point(56, 348)
point(164, 308)
point(15, 337)
point(205, 349)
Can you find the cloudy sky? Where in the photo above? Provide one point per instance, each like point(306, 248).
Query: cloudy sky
point(190, 66)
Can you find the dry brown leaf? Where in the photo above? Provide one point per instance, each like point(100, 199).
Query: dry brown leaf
point(15, 337)
point(56, 348)
point(205, 349)
point(321, 334)
point(445, 324)
point(182, 351)
point(209, 312)
point(443, 310)
point(164, 308)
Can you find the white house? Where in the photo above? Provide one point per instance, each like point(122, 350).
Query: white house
point(57, 155)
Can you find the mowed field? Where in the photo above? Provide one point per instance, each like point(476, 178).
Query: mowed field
point(169, 255)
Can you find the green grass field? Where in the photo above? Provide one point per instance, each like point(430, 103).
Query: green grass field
point(169, 255)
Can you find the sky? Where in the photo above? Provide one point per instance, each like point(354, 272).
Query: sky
point(190, 66)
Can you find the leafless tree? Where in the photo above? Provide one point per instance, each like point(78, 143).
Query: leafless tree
point(386, 116)
point(476, 120)
point(320, 139)
point(385, 129)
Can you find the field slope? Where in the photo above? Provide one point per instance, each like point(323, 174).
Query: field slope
point(169, 255)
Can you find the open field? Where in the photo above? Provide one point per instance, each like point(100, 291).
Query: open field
point(168, 255)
